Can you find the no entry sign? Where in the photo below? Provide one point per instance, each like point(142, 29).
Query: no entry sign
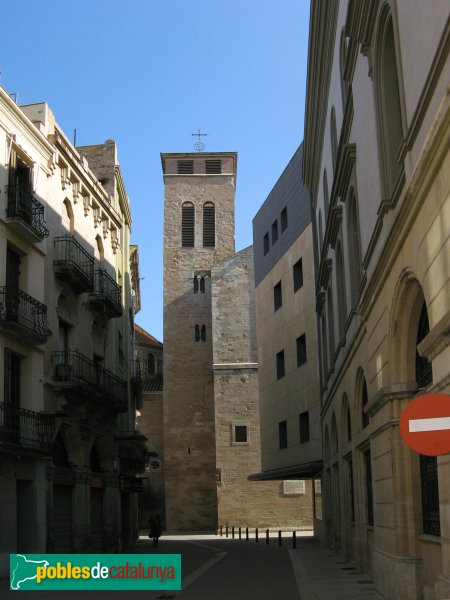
point(425, 424)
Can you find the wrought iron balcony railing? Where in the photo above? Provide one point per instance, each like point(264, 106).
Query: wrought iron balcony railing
point(80, 373)
point(23, 314)
point(73, 263)
point(22, 427)
point(29, 212)
point(107, 295)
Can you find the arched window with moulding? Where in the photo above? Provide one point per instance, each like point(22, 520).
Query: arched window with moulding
point(333, 136)
point(320, 234)
point(340, 281)
point(326, 196)
point(354, 246)
point(388, 101)
point(330, 317)
point(428, 464)
point(70, 216)
point(342, 60)
point(151, 364)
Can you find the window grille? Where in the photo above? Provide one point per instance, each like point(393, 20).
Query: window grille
point(430, 495)
point(369, 491)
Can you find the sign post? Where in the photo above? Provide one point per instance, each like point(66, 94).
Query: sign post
point(425, 424)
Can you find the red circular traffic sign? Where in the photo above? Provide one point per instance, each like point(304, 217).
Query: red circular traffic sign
point(425, 424)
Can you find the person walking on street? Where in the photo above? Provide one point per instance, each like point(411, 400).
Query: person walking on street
point(155, 527)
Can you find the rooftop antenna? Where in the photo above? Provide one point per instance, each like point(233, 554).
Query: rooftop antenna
point(199, 145)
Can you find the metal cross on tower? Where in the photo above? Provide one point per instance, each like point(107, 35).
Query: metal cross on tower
point(199, 145)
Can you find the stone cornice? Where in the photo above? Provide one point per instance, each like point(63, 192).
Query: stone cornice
point(68, 157)
point(24, 125)
point(344, 172)
point(361, 16)
point(437, 340)
point(335, 225)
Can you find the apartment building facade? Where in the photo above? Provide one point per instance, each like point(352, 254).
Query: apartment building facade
point(66, 336)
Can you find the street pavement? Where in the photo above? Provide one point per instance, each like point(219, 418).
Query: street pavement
point(220, 568)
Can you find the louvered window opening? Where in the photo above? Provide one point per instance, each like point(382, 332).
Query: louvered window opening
point(209, 225)
point(185, 167)
point(213, 167)
point(187, 225)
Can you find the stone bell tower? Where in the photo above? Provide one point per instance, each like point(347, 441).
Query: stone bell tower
point(199, 193)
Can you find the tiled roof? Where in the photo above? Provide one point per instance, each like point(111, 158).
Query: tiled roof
point(153, 383)
point(144, 338)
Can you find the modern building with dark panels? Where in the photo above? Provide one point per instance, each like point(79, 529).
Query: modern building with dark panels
point(286, 330)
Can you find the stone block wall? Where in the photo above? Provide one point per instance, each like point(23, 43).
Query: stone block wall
point(189, 424)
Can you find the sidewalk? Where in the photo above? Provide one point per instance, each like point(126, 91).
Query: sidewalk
point(323, 575)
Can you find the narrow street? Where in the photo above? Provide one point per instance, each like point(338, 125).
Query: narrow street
point(223, 569)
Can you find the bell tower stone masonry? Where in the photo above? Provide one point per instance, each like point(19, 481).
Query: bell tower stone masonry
point(199, 193)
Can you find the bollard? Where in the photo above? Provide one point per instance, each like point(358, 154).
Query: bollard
point(246, 534)
point(221, 532)
point(226, 530)
point(267, 536)
point(240, 536)
point(256, 536)
point(294, 539)
point(232, 532)
point(279, 538)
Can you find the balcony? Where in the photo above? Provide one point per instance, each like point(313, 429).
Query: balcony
point(77, 373)
point(73, 264)
point(23, 315)
point(132, 451)
point(25, 428)
point(25, 214)
point(106, 299)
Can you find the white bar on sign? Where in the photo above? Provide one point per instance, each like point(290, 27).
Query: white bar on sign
point(435, 424)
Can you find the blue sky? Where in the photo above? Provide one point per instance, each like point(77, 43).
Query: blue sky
point(148, 73)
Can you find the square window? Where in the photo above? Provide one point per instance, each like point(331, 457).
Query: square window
point(304, 427)
point(274, 232)
point(266, 244)
point(280, 364)
point(240, 434)
point(297, 271)
point(283, 219)
point(301, 350)
point(277, 297)
point(282, 435)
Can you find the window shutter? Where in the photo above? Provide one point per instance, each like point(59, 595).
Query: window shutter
point(209, 225)
point(187, 225)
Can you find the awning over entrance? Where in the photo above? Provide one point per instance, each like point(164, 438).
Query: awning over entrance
point(301, 471)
